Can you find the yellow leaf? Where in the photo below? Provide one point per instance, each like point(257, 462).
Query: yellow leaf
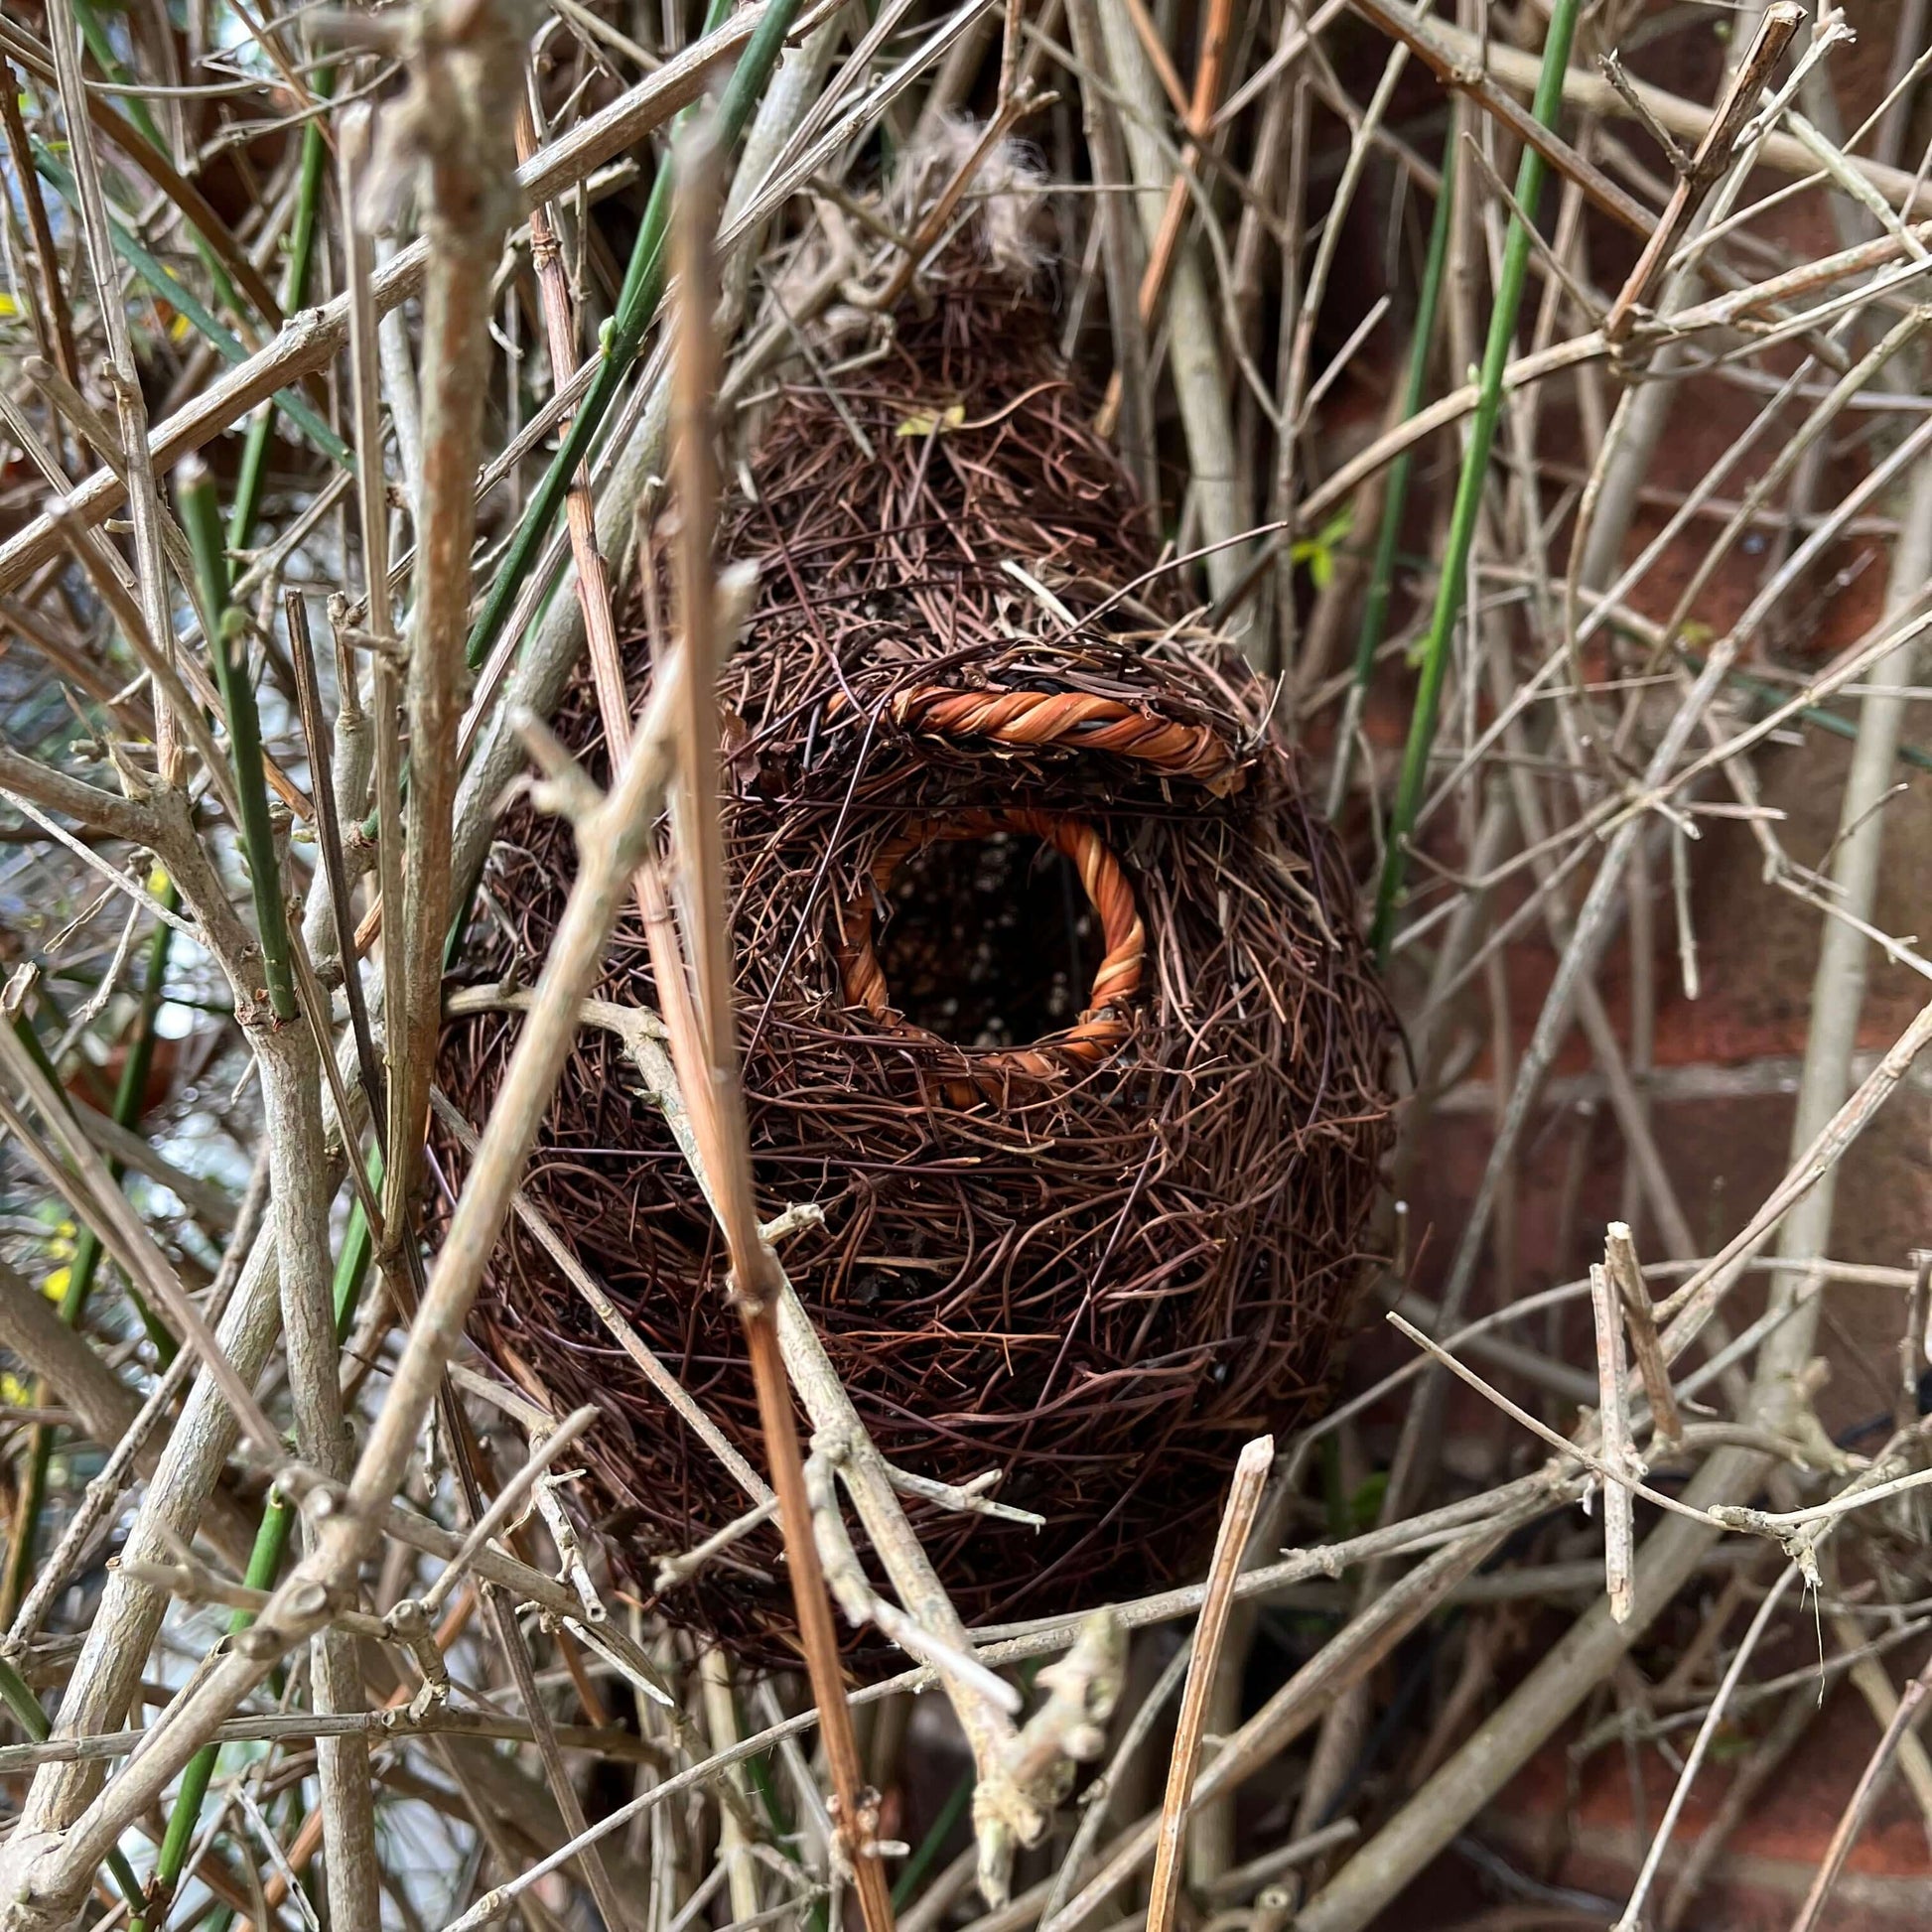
point(56, 1284)
point(9, 308)
point(158, 881)
point(923, 423)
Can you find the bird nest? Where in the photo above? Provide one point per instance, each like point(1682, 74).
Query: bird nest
point(1052, 1004)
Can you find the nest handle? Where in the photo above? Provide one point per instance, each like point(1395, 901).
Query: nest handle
point(1075, 721)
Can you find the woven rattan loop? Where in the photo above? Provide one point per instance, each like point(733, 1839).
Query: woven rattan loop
point(1077, 720)
point(1101, 1028)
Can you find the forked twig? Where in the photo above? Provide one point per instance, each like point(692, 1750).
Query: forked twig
point(1776, 27)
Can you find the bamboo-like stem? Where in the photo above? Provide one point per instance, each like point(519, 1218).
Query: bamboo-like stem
point(592, 580)
point(734, 1841)
point(1451, 583)
point(223, 625)
point(1194, 356)
point(310, 340)
point(295, 286)
point(108, 1669)
point(41, 1878)
point(124, 373)
point(264, 1564)
point(287, 1057)
point(330, 812)
point(643, 288)
point(166, 287)
point(1800, 1211)
point(215, 258)
point(1123, 249)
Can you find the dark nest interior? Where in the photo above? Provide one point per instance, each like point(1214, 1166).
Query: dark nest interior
point(1050, 999)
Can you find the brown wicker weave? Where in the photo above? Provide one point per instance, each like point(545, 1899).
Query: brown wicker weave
point(1095, 1150)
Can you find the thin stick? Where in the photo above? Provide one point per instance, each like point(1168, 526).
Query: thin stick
point(713, 1083)
point(55, 312)
point(1200, 119)
point(91, 1190)
point(310, 340)
point(1858, 1808)
point(1612, 1420)
point(123, 371)
point(612, 833)
point(1776, 26)
point(1535, 129)
point(666, 1383)
point(1237, 1520)
point(1626, 1273)
point(1632, 1919)
point(465, 88)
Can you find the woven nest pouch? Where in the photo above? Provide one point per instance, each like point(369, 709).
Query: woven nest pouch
point(1051, 1000)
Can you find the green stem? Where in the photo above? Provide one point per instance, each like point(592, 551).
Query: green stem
point(110, 64)
point(295, 287)
point(1778, 695)
point(1381, 582)
point(264, 1562)
point(1468, 491)
point(170, 289)
point(22, 1701)
point(352, 1264)
point(920, 1863)
point(202, 522)
point(643, 286)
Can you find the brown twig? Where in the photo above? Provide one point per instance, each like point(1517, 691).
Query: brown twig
point(1614, 1427)
point(1776, 26)
point(711, 1083)
point(1199, 121)
point(1633, 1298)
point(54, 311)
point(1858, 1808)
point(1244, 1499)
point(1467, 78)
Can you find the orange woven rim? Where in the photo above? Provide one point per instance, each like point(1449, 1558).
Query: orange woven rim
point(1077, 720)
point(1101, 1029)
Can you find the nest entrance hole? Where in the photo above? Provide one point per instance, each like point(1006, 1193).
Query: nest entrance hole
point(989, 943)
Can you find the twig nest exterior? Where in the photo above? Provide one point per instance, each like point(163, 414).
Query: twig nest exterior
point(1051, 1002)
